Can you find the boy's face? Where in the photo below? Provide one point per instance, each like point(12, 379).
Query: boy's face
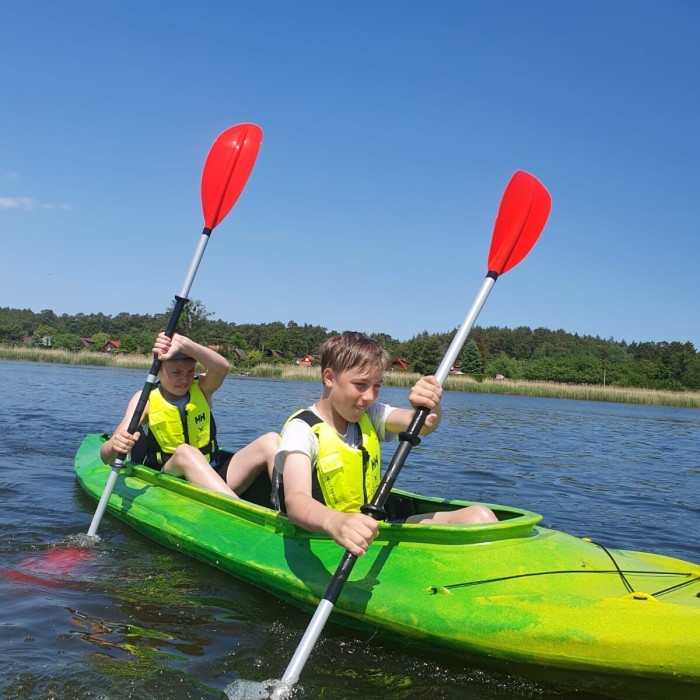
point(176, 376)
point(352, 392)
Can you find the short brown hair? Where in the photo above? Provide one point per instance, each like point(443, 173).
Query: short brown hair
point(351, 350)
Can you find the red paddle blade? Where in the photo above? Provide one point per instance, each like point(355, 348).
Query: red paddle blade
point(521, 217)
point(226, 170)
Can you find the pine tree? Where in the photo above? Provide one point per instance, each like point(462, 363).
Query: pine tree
point(471, 358)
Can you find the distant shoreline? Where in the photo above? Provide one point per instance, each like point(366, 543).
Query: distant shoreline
point(542, 389)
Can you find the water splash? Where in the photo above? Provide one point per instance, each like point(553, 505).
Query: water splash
point(83, 540)
point(271, 689)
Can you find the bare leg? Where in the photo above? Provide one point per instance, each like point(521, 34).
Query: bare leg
point(189, 462)
point(463, 516)
point(247, 463)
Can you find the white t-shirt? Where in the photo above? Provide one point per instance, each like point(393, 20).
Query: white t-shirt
point(297, 435)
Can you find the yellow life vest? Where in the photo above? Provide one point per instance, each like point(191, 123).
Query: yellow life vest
point(344, 477)
point(170, 426)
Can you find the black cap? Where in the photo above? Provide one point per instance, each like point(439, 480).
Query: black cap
point(181, 356)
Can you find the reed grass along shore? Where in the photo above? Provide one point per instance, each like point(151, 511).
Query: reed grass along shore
point(551, 390)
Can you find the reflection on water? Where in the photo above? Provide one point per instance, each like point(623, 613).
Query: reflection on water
point(126, 618)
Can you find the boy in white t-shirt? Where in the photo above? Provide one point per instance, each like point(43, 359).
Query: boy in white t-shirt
point(328, 459)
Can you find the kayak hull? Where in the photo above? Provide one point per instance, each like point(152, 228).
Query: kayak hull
point(509, 592)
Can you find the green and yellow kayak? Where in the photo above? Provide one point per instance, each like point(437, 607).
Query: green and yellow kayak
point(508, 592)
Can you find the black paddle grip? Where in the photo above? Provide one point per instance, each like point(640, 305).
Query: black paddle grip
point(175, 315)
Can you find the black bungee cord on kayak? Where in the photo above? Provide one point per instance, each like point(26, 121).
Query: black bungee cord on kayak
point(693, 577)
point(627, 584)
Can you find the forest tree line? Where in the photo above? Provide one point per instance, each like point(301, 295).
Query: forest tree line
point(519, 353)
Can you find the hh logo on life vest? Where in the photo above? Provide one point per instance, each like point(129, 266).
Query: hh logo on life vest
point(200, 418)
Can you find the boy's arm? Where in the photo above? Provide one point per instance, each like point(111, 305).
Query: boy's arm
point(121, 441)
point(216, 366)
point(426, 393)
point(354, 531)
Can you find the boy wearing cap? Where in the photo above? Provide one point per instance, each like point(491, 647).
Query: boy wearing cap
point(179, 431)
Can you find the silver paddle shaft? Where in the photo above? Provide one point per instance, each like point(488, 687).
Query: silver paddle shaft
point(306, 646)
point(151, 379)
point(194, 265)
point(460, 338)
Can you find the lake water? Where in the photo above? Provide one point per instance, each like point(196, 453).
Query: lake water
point(134, 620)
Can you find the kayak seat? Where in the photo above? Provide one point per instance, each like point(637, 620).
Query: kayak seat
point(399, 507)
point(260, 491)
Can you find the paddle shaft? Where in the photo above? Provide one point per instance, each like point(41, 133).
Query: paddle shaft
point(226, 170)
point(375, 508)
point(522, 214)
point(181, 300)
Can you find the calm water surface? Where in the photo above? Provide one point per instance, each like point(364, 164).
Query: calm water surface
point(131, 619)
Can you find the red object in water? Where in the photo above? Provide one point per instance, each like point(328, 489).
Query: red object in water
point(44, 570)
point(56, 561)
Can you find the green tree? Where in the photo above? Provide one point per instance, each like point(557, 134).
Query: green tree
point(99, 339)
point(11, 331)
point(470, 359)
point(129, 343)
point(237, 340)
point(66, 341)
point(253, 357)
point(540, 369)
point(295, 342)
point(272, 336)
point(194, 321)
point(43, 329)
point(506, 366)
point(423, 353)
point(220, 332)
point(691, 378)
point(523, 343)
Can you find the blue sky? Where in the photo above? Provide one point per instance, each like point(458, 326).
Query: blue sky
point(390, 132)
